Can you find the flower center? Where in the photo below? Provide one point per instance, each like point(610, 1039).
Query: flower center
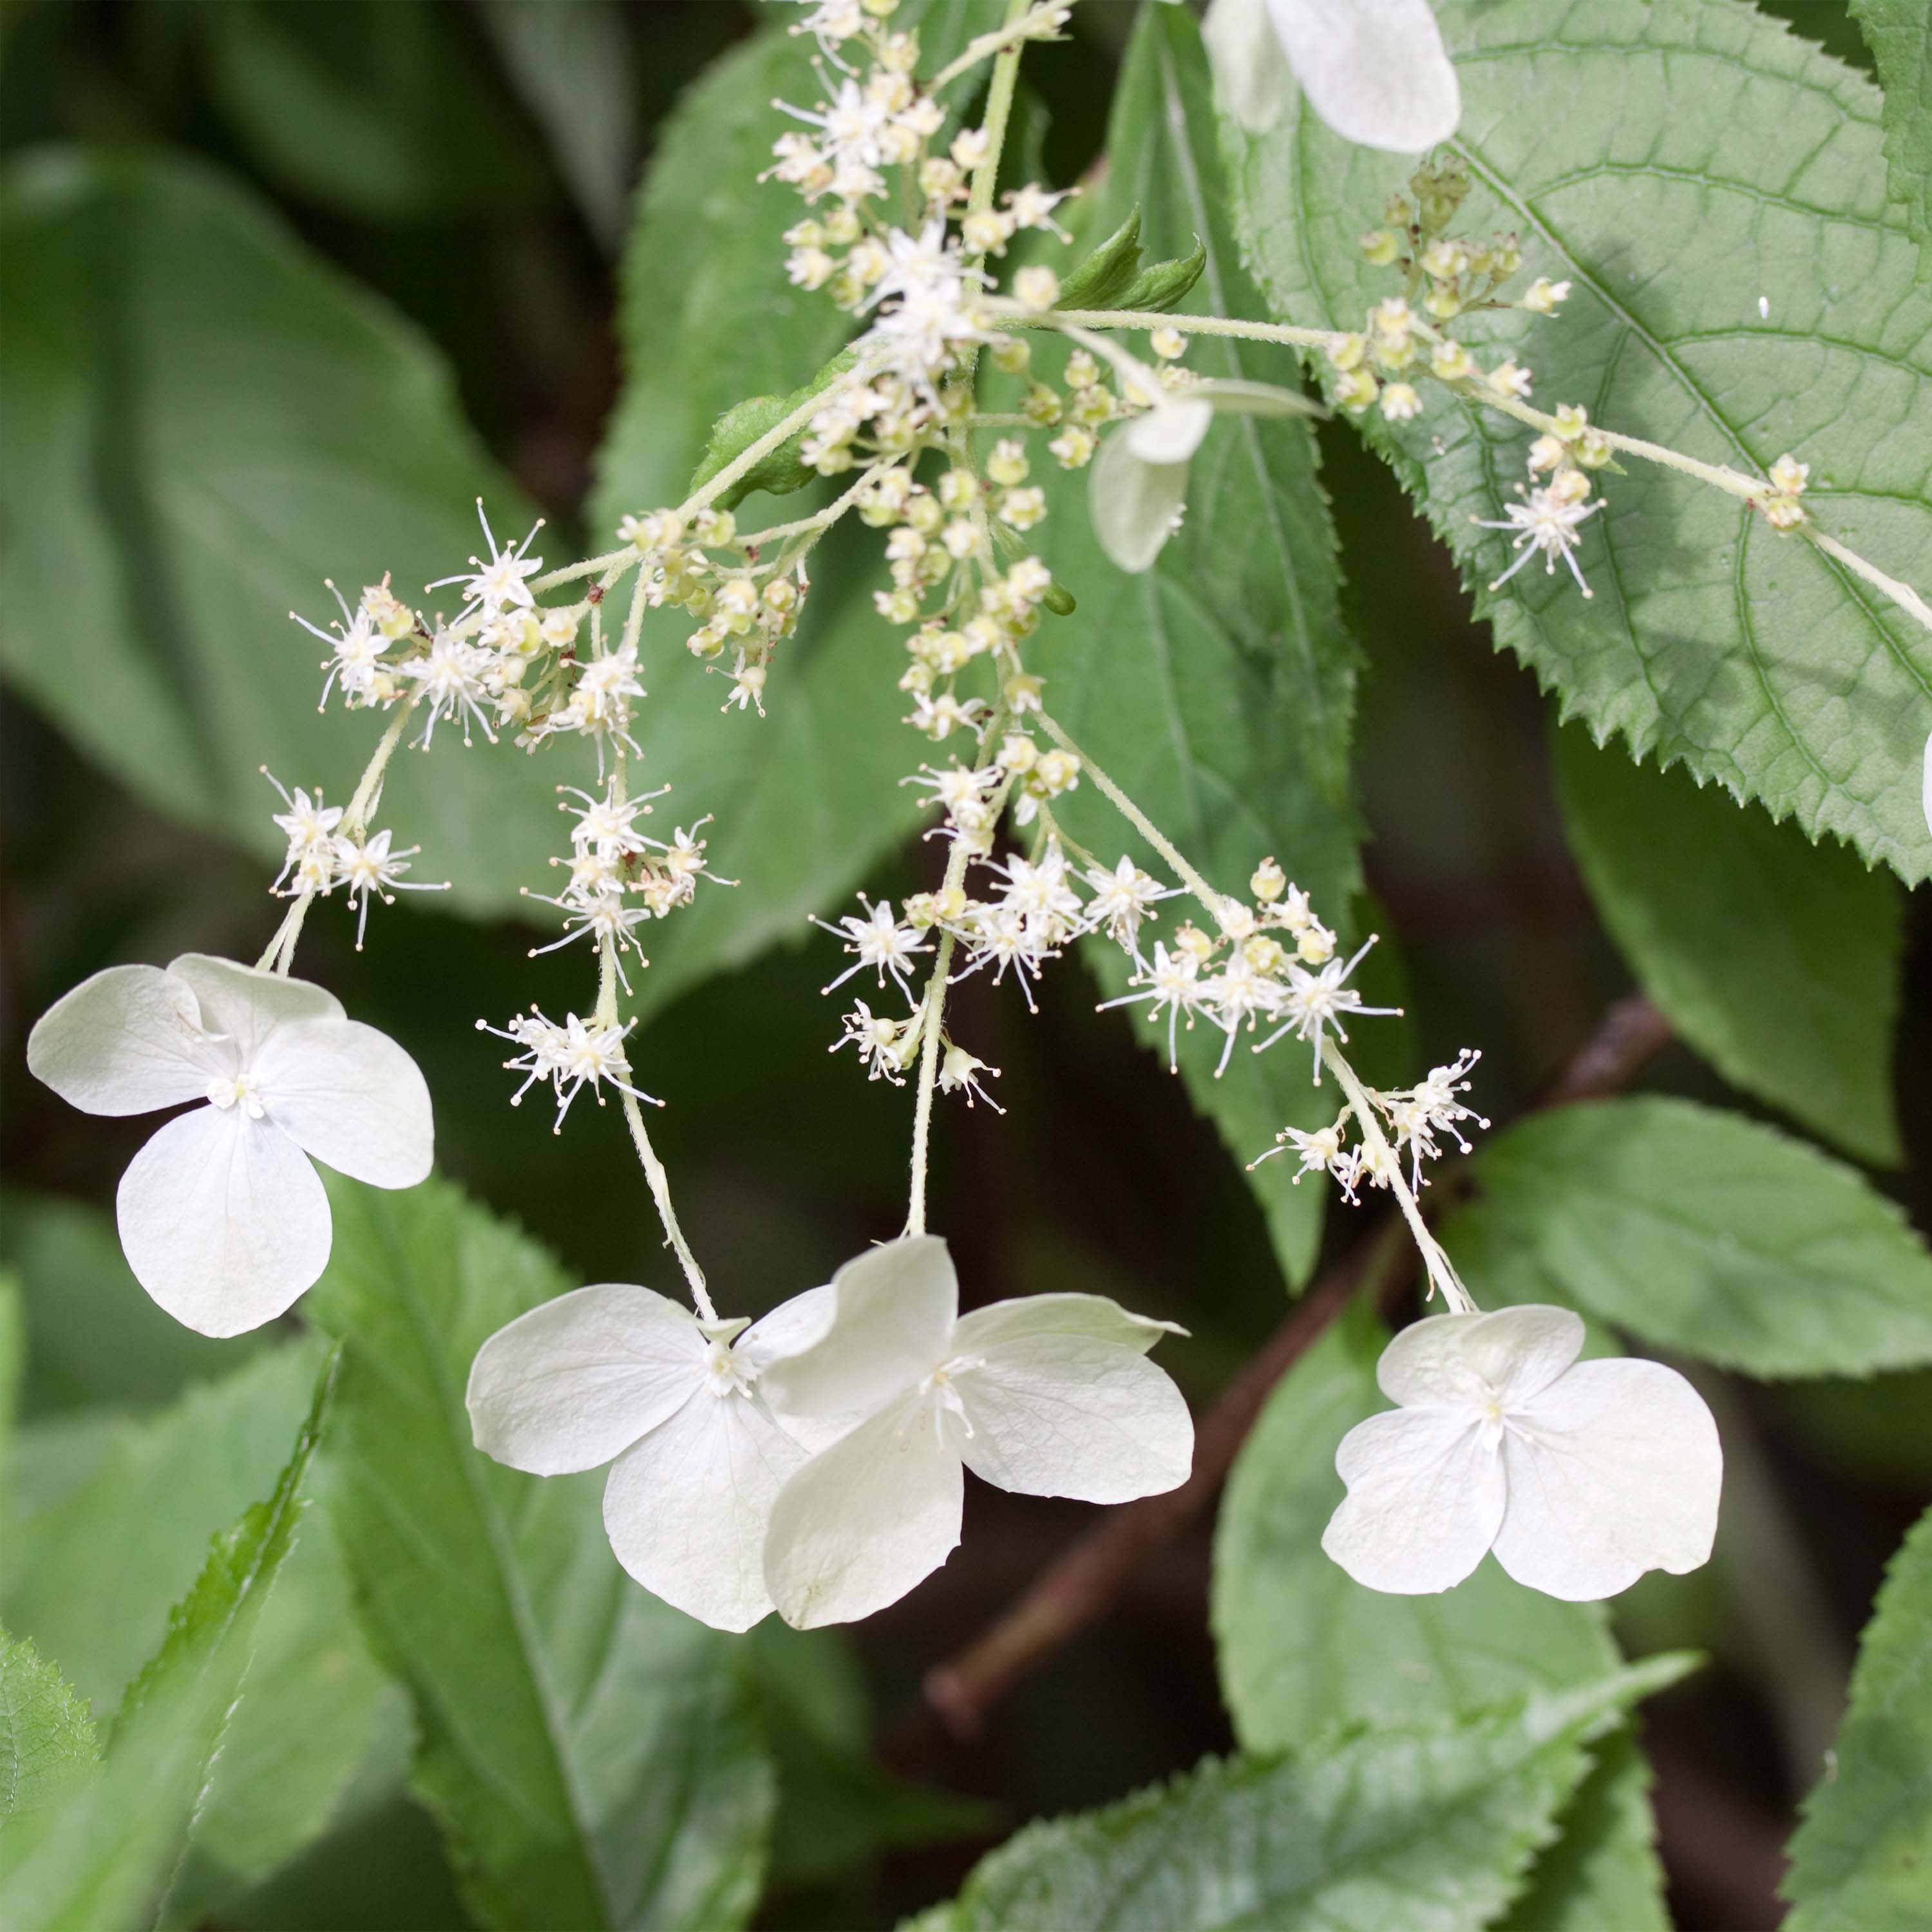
point(724, 1374)
point(240, 1091)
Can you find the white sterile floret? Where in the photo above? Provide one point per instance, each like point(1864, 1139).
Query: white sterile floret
point(617, 1374)
point(1374, 71)
point(1544, 524)
point(1051, 1395)
point(1580, 1476)
point(223, 1218)
point(880, 941)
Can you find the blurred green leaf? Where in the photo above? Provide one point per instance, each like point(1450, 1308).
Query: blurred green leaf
point(1429, 1828)
point(1861, 1860)
point(1305, 1651)
point(93, 1337)
point(573, 67)
point(1712, 1236)
point(205, 422)
point(591, 1752)
point(1647, 155)
point(384, 109)
point(93, 1566)
point(837, 1810)
point(1602, 1874)
point(99, 1862)
point(1776, 959)
point(1899, 33)
point(1218, 689)
point(47, 1745)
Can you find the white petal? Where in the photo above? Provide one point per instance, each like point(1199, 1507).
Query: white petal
point(1092, 1316)
point(1065, 1415)
point(1612, 1470)
point(1374, 70)
point(1133, 505)
point(860, 1526)
point(1251, 77)
point(1502, 1359)
point(686, 1508)
point(789, 1330)
point(127, 1041)
point(1170, 432)
point(349, 1095)
point(243, 1003)
point(223, 1220)
point(893, 1321)
point(1227, 395)
point(578, 1381)
point(1425, 1498)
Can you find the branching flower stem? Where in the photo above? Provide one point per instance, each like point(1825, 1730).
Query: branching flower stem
point(1752, 490)
point(1023, 23)
point(658, 1181)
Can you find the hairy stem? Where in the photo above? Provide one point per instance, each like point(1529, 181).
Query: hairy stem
point(1024, 23)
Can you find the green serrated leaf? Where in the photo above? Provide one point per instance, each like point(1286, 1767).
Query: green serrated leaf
point(1218, 689)
point(1430, 1828)
point(1100, 276)
point(1713, 1237)
point(1713, 189)
point(1899, 33)
point(591, 1754)
point(1776, 959)
point(99, 1862)
point(1861, 1860)
point(93, 1565)
point(783, 470)
point(47, 1745)
point(1162, 284)
point(1603, 1874)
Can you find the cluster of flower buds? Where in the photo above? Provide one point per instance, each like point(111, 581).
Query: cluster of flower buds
point(323, 854)
point(620, 876)
point(503, 663)
point(1444, 277)
point(745, 603)
point(1413, 1117)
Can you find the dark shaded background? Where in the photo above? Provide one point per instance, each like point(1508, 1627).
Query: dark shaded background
point(1099, 1177)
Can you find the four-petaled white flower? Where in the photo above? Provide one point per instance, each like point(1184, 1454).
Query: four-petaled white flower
point(1374, 70)
point(223, 1219)
point(1051, 1395)
point(1579, 1476)
point(619, 1375)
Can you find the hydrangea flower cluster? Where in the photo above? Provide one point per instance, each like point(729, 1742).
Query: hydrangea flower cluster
point(812, 1461)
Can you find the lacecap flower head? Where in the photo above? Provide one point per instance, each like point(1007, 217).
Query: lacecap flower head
point(223, 1219)
point(1580, 1476)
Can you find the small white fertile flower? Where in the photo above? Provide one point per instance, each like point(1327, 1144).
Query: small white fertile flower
point(452, 678)
point(1173, 981)
point(355, 651)
point(308, 825)
point(880, 941)
point(500, 584)
point(1316, 1002)
point(578, 1054)
point(1122, 900)
point(1544, 524)
point(959, 1073)
point(367, 867)
point(1319, 1151)
point(1580, 1476)
point(223, 1218)
point(1374, 70)
point(1051, 1395)
point(619, 1375)
point(885, 1044)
